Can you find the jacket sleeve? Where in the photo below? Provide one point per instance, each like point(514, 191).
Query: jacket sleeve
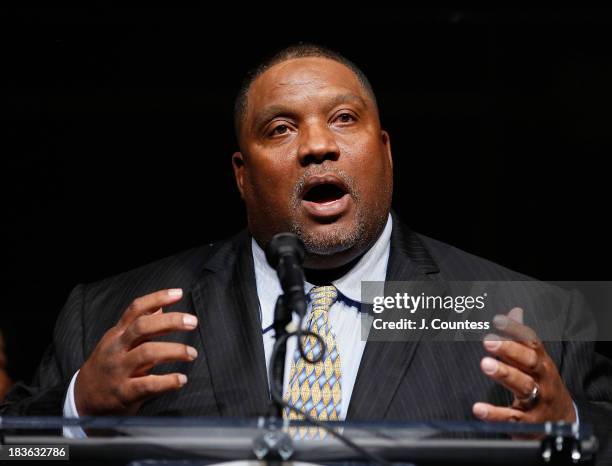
point(64, 356)
point(588, 374)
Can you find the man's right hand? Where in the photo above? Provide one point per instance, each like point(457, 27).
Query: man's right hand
point(115, 379)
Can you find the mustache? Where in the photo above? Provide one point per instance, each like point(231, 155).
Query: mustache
point(348, 181)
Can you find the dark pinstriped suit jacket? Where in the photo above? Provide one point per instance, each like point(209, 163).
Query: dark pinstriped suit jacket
point(396, 380)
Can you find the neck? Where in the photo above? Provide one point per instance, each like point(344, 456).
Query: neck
point(326, 276)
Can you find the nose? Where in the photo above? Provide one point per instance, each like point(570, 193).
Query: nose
point(317, 144)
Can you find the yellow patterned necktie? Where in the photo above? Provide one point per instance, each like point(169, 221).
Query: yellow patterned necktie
point(315, 388)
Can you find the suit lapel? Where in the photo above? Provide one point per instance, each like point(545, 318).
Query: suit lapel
point(226, 303)
point(384, 363)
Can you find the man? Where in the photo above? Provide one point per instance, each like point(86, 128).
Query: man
point(184, 335)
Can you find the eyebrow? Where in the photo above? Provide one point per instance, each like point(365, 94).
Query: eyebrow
point(274, 110)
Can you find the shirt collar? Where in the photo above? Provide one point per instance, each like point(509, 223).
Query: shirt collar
point(372, 266)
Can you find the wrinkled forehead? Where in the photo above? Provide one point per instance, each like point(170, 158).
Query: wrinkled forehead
point(300, 81)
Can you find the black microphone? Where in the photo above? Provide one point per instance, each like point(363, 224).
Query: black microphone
point(285, 253)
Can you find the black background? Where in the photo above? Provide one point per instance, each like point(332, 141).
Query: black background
point(118, 136)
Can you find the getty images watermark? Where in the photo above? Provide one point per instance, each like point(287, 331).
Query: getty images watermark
point(411, 304)
point(465, 310)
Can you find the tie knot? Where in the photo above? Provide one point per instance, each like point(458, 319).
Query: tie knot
point(323, 297)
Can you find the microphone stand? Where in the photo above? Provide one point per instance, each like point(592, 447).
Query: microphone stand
point(286, 304)
point(274, 445)
point(282, 318)
point(285, 253)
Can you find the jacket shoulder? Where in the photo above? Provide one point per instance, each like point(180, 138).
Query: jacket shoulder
point(104, 301)
point(179, 268)
point(457, 264)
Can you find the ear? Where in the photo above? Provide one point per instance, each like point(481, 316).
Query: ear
point(238, 166)
point(386, 140)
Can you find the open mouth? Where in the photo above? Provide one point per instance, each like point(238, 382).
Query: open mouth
point(324, 193)
point(325, 196)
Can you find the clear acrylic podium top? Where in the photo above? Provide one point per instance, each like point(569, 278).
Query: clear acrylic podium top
point(210, 440)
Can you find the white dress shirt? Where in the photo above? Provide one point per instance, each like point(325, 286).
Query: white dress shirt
point(344, 315)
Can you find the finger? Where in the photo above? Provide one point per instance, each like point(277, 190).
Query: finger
point(516, 354)
point(141, 388)
point(489, 412)
point(144, 357)
point(510, 377)
point(516, 314)
point(149, 303)
point(517, 331)
point(149, 326)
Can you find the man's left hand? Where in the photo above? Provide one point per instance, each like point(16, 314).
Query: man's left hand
point(525, 368)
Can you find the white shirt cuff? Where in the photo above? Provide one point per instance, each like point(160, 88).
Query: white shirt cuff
point(576, 411)
point(70, 410)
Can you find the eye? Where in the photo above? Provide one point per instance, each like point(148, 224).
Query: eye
point(279, 130)
point(345, 117)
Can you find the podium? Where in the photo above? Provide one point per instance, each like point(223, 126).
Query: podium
point(190, 441)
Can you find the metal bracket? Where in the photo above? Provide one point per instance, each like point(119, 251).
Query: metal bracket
point(272, 444)
point(562, 443)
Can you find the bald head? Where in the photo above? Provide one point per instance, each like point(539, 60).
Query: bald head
point(286, 54)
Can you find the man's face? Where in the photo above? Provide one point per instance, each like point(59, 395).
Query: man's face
point(314, 160)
